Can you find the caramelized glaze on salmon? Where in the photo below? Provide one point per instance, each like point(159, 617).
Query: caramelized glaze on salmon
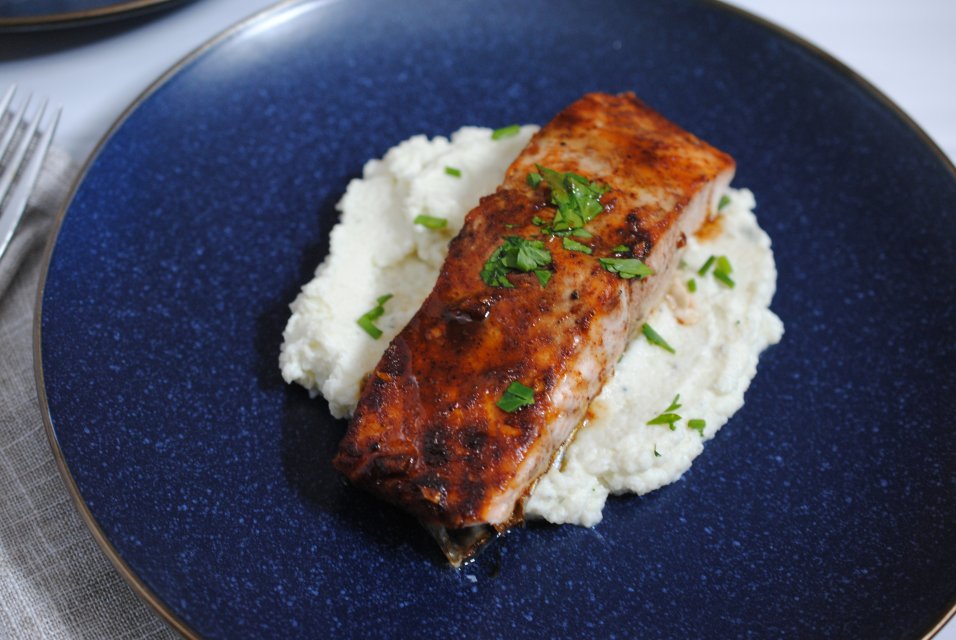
point(427, 434)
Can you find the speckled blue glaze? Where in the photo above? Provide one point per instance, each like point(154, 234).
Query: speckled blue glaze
point(825, 508)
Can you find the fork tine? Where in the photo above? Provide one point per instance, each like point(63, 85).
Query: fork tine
point(7, 97)
point(11, 129)
point(21, 151)
point(13, 211)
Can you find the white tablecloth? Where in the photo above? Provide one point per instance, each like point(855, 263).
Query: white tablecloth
point(54, 581)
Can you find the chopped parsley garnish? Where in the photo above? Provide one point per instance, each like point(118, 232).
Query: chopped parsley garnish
point(367, 321)
point(626, 268)
point(582, 233)
point(578, 199)
point(655, 338)
point(669, 417)
point(573, 245)
point(723, 270)
point(621, 248)
point(724, 278)
point(723, 264)
point(516, 396)
point(516, 254)
point(452, 171)
point(505, 132)
point(724, 201)
point(692, 285)
point(543, 275)
point(534, 179)
point(430, 222)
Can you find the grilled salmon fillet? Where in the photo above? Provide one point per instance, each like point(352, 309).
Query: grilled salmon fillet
point(428, 434)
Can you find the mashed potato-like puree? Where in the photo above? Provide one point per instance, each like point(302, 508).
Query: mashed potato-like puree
point(376, 248)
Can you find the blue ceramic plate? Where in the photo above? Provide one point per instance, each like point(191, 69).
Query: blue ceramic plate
point(825, 507)
point(47, 14)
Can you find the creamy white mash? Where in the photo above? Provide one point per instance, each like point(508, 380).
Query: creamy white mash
point(376, 248)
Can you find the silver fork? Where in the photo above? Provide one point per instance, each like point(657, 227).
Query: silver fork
point(20, 159)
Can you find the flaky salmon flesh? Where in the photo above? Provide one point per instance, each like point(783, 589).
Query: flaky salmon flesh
point(544, 285)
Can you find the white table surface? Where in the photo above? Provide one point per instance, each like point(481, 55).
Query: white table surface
point(906, 48)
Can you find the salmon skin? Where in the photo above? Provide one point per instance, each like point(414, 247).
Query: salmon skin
point(429, 434)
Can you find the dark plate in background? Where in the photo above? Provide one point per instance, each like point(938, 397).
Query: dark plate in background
point(825, 507)
point(34, 15)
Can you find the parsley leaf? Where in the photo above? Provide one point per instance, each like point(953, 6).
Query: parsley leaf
point(543, 275)
point(573, 245)
point(692, 285)
point(367, 320)
point(452, 171)
point(669, 417)
point(723, 264)
point(724, 201)
point(516, 254)
point(430, 222)
point(516, 396)
point(723, 270)
point(626, 267)
point(531, 255)
point(724, 278)
point(578, 200)
point(505, 132)
point(655, 338)
point(675, 404)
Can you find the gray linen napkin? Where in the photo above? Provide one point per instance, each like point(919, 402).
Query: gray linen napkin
point(55, 582)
